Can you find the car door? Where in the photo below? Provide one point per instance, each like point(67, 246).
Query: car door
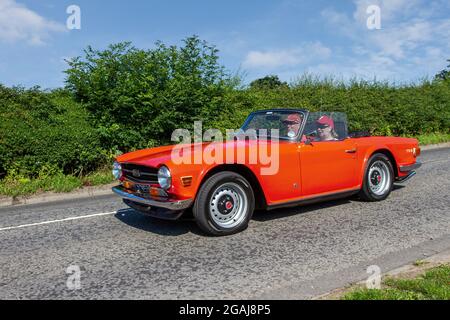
point(327, 166)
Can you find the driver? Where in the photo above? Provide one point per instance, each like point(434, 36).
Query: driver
point(325, 129)
point(293, 122)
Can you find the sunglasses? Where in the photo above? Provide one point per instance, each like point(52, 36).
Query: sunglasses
point(289, 122)
point(322, 126)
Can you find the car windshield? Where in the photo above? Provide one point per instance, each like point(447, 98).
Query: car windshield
point(288, 123)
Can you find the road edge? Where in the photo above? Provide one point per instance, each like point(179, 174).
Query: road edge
point(435, 146)
point(48, 197)
point(340, 279)
point(399, 272)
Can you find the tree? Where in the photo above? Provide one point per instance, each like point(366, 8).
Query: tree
point(138, 97)
point(444, 74)
point(268, 82)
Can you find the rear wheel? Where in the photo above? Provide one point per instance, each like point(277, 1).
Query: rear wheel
point(224, 204)
point(378, 178)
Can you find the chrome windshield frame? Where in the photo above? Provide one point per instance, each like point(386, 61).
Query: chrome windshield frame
point(297, 138)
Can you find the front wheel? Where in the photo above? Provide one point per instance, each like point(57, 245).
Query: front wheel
point(378, 178)
point(224, 204)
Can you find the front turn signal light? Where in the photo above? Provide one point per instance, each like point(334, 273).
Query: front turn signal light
point(127, 185)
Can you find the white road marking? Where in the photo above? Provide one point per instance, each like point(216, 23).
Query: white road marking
point(59, 220)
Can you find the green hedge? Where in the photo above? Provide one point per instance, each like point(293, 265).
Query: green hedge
point(377, 107)
point(46, 132)
point(138, 97)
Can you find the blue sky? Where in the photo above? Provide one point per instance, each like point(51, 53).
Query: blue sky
point(284, 37)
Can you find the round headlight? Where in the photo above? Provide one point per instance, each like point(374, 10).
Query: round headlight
point(164, 177)
point(117, 170)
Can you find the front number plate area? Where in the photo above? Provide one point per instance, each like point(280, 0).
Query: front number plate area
point(141, 188)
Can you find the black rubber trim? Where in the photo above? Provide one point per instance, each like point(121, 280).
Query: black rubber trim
point(327, 197)
point(155, 212)
point(411, 167)
point(405, 178)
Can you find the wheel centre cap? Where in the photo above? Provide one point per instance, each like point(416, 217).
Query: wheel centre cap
point(225, 205)
point(375, 178)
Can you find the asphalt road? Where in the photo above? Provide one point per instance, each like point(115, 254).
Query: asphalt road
point(290, 253)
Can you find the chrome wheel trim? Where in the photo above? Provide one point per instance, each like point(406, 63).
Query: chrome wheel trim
point(379, 178)
point(232, 193)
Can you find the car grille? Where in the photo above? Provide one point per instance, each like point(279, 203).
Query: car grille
point(140, 173)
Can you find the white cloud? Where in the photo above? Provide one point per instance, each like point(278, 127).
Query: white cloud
point(18, 23)
point(271, 59)
point(286, 57)
point(370, 67)
point(413, 38)
point(390, 9)
point(404, 26)
point(395, 42)
point(340, 21)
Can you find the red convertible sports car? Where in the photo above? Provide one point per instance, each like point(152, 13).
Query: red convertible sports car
point(279, 158)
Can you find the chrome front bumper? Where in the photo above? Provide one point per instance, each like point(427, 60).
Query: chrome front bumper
point(169, 204)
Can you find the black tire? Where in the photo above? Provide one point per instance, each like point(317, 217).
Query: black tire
point(224, 187)
point(379, 172)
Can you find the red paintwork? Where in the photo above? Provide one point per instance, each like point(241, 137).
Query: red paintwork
point(305, 171)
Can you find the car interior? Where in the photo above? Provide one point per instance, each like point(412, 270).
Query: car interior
point(340, 125)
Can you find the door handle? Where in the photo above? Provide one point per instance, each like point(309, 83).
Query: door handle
point(350, 151)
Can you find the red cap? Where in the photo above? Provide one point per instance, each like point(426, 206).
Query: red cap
point(325, 120)
point(294, 117)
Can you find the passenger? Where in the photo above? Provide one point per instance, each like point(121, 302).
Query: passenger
point(293, 122)
point(325, 129)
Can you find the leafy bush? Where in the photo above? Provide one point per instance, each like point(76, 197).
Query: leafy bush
point(45, 132)
point(378, 107)
point(268, 82)
point(138, 97)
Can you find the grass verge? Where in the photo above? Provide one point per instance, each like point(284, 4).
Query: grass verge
point(14, 186)
point(433, 138)
point(434, 284)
